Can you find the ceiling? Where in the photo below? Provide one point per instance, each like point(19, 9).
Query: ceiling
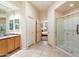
point(3, 9)
point(42, 5)
point(65, 7)
point(6, 7)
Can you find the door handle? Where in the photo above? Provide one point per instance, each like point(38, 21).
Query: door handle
point(77, 29)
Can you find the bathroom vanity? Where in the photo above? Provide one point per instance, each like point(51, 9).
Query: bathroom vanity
point(9, 43)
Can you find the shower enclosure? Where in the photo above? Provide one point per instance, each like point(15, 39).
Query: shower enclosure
point(68, 33)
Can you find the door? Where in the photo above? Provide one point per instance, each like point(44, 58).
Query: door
point(31, 31)
point(60, 32)
point(67, 35)
point(38, 33)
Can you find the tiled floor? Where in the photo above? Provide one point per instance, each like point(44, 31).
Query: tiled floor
point(44, 38)
point(41, 49)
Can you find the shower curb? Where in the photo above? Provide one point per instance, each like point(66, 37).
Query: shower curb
point(62, 50)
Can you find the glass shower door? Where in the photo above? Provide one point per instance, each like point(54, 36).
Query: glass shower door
point(75, 42)
point(67, 37)
point(60, 32)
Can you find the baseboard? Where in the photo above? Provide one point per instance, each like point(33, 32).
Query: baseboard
point(38, 41)
point(62, 50)
point(50, 45)
point(31, 45)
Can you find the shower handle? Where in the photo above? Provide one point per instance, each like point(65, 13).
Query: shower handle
point(77, 29)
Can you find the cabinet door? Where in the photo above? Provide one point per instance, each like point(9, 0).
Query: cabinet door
point(3, 47)
point(17, 42)
point(10, 44)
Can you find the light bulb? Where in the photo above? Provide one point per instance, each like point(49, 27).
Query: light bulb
point(71, 5)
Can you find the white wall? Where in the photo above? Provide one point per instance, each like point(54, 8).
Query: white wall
point(51, 23)
point(25, 10)
point(43, 15)
point(3, 15)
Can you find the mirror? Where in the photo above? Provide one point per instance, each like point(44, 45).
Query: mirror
point(9, 19)
point(3, 18)
point(2, 25)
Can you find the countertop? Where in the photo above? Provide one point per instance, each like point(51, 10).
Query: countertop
point(7, 36)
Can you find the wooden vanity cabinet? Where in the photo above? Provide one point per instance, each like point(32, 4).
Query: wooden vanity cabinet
point(3, 47)
point(17, 42)
point(13, 43)
point(10, 44)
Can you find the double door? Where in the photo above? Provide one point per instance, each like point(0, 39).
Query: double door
point(31, 31)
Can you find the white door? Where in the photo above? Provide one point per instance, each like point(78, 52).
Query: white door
point(31, 31)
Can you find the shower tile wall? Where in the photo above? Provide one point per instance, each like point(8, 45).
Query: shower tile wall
point(66, 27)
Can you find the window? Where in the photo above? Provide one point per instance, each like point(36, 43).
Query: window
point(11, 25)
point(16, 24)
